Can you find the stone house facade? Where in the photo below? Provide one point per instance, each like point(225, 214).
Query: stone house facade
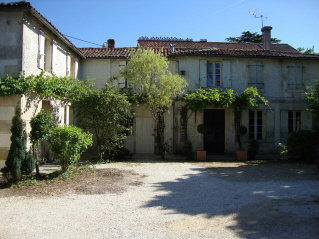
point(30, 43)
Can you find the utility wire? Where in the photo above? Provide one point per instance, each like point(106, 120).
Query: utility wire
point(83, 40)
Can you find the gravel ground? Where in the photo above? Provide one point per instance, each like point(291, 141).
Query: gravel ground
point(178, 200)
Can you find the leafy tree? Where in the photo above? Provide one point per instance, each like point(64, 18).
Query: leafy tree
point(249, 37)
point(148, 73)
point(41, 127)
point(68, 143)
point(17, 152)
point(106, 114)
point(306, 50)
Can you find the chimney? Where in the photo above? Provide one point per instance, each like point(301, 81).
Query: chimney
point(110, 43)
point(266, 37)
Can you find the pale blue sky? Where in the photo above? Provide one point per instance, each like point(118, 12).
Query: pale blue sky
point(295, 22)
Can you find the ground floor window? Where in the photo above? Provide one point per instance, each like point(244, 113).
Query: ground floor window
point(256, 124)
point(294, 121)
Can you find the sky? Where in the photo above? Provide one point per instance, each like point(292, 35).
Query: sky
point(295, 22)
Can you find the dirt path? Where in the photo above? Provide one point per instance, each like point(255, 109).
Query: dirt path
point(175, 200)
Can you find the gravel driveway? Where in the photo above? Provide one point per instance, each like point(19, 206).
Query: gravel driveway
point(178, 200)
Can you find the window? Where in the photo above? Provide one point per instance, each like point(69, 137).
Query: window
point(295, 77)
point(213, 74)
point(256, 75)
point(47, 55)
point(256, 124)
point(294, 121)
point(122, 82)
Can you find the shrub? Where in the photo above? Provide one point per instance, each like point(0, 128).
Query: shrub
point(68, 143)
point(28, 164)
point(300, 146)
point(253, 148)
point(283, 151)
point(17, 151)
point(188, 150)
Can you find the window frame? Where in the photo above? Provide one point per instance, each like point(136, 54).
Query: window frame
point(213, 74)
point(257, 134)
point(295, 125)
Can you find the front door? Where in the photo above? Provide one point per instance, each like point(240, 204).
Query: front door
point(214, 137)
point(144, 135)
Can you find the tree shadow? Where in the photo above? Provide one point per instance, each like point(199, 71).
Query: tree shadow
point(273, 201)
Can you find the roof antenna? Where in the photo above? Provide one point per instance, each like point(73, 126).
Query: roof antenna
point(262, 17)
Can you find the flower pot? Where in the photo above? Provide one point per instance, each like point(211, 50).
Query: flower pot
point(201, 155)
point(241, 155)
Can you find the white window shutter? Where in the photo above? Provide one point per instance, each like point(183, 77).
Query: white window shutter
point(68, 63)
point(121, 80)
point(41, 50)
point(76, 67)
point(227, 74)
point(203, 73)
point(54, 49)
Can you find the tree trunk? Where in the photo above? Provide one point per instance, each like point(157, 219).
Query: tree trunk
point(160, 126)
point(237, 128)
point(36, 156)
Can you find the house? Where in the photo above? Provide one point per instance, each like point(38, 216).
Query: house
point(279, 71)
point(30, 43)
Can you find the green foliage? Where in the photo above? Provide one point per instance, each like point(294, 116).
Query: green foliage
point(306, 50)
point(282, 151)
point(201, 128)
point(106, 114)
point(301, 146)
point(253, 148)
point(248, 99)
point(312, 97)
point(41, 126)
point(28, 164)
point(68, 143)
point(249, 37)
point(148, 74)
point(44, 86)
point(17, 151)
point(198, 100)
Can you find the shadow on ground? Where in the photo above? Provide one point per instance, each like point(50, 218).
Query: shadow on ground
point(266, 201)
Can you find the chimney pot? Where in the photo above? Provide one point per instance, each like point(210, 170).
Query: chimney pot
point(266, 37)
point(110, 43)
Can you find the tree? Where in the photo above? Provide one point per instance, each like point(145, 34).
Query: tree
point(17, 152)
point(148, 73)
point(306, 50)
point(312, 98)
point(106, 114)
point(249, 37)
point(41, 127)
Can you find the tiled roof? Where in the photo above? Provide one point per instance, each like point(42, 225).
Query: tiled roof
point(182, 45)
point(244, 53)
point(38, 15)
point(115, 53)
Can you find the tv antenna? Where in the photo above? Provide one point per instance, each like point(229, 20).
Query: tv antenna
point(255, 15)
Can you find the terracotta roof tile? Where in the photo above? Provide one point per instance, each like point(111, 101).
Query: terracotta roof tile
point(37, 14)
point(115, 53)
point(244, 53)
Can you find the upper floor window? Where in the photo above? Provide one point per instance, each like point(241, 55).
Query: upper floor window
point(122, 81)
point(295, 77)
point(256, 75)
point(47, 55)
point(256, 124)
point(294, 121)
point(213, 74)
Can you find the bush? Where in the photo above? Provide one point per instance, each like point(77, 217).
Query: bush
point(300, 146)
point(188, 150)
point(28, 164)
point(17, 151)
point(253, 148)
point(283, 151)
point(68, 143)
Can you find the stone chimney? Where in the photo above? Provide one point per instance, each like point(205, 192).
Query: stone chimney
point(266, 37)
point(110, 43)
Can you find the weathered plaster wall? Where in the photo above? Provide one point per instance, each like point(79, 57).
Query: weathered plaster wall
point(10, 43)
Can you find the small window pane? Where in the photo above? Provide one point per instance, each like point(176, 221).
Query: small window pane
point(209, 67)
point(209, 80)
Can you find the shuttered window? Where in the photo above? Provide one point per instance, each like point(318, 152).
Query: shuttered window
point(256, 75)
point(68, 64)
point(41, 40)
point(295, 77)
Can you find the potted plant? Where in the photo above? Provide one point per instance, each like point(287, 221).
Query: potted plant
point(201, 154)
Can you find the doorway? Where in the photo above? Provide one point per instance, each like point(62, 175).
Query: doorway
point(214, 137)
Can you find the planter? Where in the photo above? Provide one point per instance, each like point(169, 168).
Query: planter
point(201, 155)
point(241, 155)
